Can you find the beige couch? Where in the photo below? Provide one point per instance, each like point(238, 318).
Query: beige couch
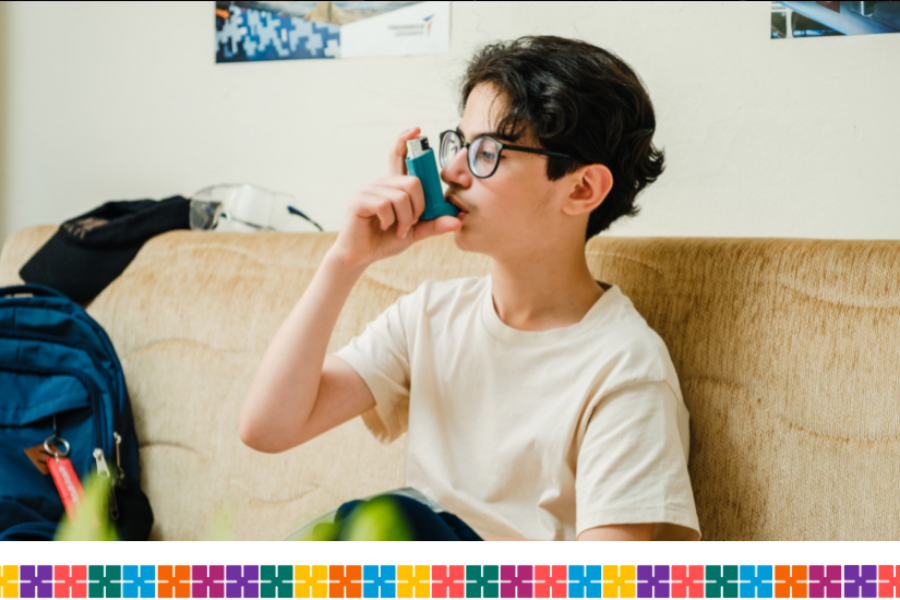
point(788, 353)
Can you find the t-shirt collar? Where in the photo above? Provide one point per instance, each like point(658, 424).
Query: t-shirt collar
point(517, 337)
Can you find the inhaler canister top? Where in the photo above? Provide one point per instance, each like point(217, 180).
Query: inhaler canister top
point(417, 147)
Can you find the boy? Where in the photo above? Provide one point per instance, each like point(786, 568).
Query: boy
point(539, 404)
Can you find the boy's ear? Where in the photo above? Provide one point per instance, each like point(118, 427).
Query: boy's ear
point(591, 184)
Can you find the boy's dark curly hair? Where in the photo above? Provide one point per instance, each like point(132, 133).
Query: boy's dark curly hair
point(575, 98)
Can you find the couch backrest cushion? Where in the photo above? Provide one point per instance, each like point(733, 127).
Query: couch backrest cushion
point(788, 353)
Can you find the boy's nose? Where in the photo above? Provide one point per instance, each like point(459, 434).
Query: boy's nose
point(456, 172)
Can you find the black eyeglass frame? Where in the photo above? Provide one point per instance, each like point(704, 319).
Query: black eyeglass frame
point(500, 145)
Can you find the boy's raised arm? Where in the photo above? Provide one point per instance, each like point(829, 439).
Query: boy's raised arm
point(297, 393)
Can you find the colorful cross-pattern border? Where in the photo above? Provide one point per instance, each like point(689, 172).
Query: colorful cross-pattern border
point(449, 581)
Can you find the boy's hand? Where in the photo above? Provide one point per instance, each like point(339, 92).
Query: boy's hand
point(383, 218)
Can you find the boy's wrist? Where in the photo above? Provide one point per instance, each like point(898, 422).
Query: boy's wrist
point(337, 262)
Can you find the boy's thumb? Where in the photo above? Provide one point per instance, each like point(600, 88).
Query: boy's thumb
point(437, 226)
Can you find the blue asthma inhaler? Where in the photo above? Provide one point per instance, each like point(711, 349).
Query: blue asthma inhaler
point(420, 163)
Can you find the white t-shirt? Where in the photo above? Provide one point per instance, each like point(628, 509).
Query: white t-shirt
point(538, 435)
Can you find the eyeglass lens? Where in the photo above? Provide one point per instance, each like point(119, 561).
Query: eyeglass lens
point(483, 156)
point(483, 153)
point(450, 144)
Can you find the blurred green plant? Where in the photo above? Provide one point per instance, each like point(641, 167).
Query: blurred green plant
point(92, 524)
point(376, 520)
point(320, 532)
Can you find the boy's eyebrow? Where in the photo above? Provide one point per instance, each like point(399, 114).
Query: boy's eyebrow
point(490, 133)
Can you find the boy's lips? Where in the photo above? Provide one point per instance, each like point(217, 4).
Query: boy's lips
point(455, 202)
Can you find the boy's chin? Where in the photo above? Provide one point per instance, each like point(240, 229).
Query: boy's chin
point(463, 240)
point(467, 242)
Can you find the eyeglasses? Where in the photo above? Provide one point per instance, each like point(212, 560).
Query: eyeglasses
point(483, 152)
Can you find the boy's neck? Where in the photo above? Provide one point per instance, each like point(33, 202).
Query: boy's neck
point(541, 293)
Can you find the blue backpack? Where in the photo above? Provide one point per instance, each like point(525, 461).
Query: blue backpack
point(59, 375)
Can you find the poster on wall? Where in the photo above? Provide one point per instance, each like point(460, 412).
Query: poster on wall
point(818, 19)
point(257, 31)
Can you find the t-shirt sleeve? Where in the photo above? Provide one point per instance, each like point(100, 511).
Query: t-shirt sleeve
point(632, 465)
point(380, 354)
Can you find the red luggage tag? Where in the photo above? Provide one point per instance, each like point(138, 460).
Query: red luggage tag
point(64, 477)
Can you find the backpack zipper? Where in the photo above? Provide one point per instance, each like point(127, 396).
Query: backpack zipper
point(103, 471)
point(120, 474)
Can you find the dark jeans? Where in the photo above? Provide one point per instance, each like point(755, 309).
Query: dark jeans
point(423, 524)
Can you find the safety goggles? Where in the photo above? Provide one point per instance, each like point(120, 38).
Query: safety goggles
point(243, 207)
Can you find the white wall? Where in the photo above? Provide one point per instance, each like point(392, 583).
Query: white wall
point(764, 138)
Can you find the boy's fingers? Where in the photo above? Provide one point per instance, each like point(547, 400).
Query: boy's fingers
point(402, 205)
point(397, 159)
point(412, 187)
point(385, 212)
point(417, 195)
point(405, 219)
point(426, 229)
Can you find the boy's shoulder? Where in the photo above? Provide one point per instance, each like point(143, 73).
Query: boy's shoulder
point(618, 345)
point(627, 342)
point(624, 322)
